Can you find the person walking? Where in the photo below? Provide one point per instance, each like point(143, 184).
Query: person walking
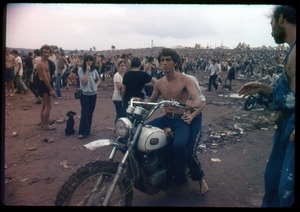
point(230, 75)
point(21, 87)
point(60, 67)
point(89, 81)
point(214, 70)
point(279, 176)
point(118, 78)
point(28, 65)
point(45, 69)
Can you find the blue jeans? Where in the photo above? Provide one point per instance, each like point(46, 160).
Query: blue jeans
point(280, 170)
point(181, 133)
point(195, 137)
point(212, 80)
point(58, 85)
point(88, 103)
point(119, 110)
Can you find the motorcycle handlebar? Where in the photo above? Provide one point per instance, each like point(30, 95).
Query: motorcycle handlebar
point(157, 104)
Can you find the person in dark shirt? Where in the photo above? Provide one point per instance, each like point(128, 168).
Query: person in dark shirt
point(133, 83)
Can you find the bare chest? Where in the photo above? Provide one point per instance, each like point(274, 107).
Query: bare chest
point(174, 90)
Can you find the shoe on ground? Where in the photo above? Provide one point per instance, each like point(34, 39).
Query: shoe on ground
point(80, 136)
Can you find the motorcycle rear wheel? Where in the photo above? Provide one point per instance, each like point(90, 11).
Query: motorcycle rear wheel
point(78, 189)
point(249, 103)
point(268, 103)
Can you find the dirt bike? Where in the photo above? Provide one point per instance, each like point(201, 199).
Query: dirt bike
point(145, 163)
point(255, 99)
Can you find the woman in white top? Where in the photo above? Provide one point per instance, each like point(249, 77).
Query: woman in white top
point(118, 78)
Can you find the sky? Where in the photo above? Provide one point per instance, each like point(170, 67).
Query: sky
point(101, 26)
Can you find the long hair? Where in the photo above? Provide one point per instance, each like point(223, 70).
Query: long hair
point(86, 58)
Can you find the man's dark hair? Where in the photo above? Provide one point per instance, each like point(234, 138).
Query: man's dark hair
point(288, 12)
point(47, 47)
point(174, 55)
point(15, 52)
point(150, 59)
point(135, 62)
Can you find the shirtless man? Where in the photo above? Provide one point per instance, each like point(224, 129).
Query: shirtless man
point(9, 73)
point(279, 174)
point(178, 87)
point(45, 69)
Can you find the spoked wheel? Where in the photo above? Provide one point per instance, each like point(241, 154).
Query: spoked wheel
point(268, 103)
point(249, 103)
point(89, 185)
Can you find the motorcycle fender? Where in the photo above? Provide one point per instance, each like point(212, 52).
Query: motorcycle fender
point(101, 143)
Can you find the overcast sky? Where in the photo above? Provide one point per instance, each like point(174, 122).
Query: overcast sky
point(84, 26)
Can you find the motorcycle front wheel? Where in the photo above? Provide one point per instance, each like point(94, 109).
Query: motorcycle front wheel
point(249, 103)
point(89, 185)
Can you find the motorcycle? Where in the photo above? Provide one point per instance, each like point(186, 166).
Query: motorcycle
point(145, 163)
point(258, 98)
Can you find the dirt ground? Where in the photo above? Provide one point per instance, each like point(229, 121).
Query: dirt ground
point(234, 150)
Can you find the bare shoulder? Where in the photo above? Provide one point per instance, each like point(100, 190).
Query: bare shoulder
point(40, 64)
point(160, 81)
point(187, 79)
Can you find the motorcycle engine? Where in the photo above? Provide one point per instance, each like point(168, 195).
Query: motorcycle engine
point(155, 173)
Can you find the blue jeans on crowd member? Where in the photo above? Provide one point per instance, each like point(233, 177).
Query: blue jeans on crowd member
point(212, 80)
point(181, 131)
point(280, 170)
point(119, 110)
point(193, 162)
point(58, 85)
point(88, 103)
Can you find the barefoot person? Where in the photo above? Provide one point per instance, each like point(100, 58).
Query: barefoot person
point(179, 87)
point(280, 170)
point(45, 69)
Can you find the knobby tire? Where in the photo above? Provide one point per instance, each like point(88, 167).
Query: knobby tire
point(76, 191)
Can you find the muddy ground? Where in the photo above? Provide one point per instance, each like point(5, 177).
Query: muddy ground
point(234, 150)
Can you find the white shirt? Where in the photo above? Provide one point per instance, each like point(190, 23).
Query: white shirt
point(117, 93)
point(272, 79)
point(18, 61)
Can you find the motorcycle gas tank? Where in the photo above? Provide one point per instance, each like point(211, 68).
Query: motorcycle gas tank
point(151, 138)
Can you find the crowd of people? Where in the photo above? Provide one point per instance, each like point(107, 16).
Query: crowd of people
point(165, 74)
